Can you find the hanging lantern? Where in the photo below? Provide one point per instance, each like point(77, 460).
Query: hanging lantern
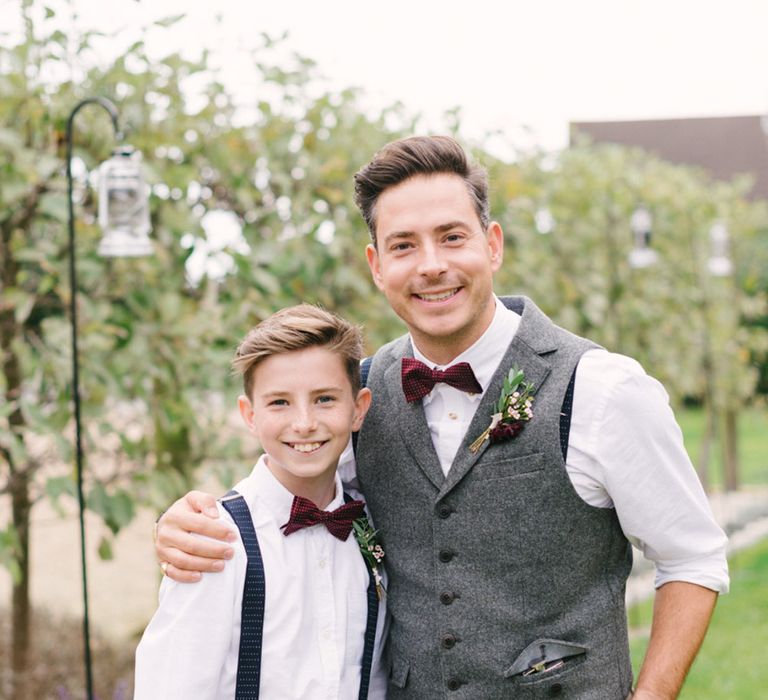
point(123, 206)
point(719, 263)
point(641, 255)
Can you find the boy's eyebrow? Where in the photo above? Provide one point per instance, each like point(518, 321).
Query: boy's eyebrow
point(280, 392)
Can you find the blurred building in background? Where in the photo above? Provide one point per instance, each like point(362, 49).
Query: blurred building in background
point(724, 146)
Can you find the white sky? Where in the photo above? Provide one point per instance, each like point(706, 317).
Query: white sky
point(525, 68)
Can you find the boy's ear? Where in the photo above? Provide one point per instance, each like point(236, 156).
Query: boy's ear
point(246, 411)
point(362, 404)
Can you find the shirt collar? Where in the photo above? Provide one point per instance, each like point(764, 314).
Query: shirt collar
point(486, 353)
point(278, 499)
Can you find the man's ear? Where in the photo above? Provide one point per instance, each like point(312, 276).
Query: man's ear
point(246, 411)
point(362, 404)
point(495, 237)
point(372, 255)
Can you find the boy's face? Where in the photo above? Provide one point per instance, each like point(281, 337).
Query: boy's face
point(302, 412)
point(435, 263)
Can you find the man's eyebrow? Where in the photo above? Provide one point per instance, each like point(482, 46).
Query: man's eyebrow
point(398, 235)
point(442, 228)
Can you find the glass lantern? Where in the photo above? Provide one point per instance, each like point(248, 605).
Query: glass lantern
point(719, 263)
point(123, 205)
point(641, 255)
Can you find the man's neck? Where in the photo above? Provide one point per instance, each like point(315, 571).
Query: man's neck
point(443, 351)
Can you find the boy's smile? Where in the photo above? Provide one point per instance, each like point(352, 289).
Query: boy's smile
point(302, 411)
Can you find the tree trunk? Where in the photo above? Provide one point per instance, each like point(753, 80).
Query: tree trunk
point(730, 450)
point(21, 609)
point(19, 479)
point(705, 450)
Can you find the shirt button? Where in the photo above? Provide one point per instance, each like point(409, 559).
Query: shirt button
point(445, 555)
point(446, 597)
point(454, 684)
point(321, 563)
point(448, 641)
point(453, 416)
point(326, 634)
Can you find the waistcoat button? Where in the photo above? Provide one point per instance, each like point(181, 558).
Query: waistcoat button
point(444, 511)
point(448, 641)
point(446, 597)
point(454, 684)
point(445, 555)
point(555, 690)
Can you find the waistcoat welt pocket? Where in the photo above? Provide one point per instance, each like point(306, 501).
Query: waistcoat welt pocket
point(546, 658)
point(398, 670)
point(510, 467)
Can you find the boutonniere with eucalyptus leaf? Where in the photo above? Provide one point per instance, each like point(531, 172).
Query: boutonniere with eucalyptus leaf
point(370, 549)
point(513, 410)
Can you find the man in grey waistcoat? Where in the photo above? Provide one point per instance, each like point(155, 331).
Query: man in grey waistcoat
point(508, 464)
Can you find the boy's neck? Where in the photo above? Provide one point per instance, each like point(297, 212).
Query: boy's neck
point(321, 490)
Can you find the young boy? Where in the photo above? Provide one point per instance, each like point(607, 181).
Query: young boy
point(297, 613)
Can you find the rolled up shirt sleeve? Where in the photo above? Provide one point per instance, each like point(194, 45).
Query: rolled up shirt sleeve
point(629, 454)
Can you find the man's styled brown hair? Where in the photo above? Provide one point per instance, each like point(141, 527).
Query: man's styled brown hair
point(418, 155)
point(297, 328)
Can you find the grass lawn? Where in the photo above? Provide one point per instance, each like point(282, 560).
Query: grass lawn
point(753, 444)
point(732, 662)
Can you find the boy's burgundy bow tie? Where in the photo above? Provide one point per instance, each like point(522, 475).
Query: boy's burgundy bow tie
point(304, 513)
point(418, 379)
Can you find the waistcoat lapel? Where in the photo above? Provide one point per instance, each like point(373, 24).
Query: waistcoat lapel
point(533, 341)
point(412, 422)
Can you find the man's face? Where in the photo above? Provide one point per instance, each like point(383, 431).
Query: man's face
point(435, 263)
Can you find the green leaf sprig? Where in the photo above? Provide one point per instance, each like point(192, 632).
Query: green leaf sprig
point(513, 409)
point(371, 550)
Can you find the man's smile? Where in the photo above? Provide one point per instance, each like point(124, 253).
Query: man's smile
point(437, 296)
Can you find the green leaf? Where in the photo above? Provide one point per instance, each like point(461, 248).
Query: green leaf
point(169, 21)
point(24, 308)
point(98, 501)
point(9, 552)
point(54, 205)
point(58, 485)
point(14, 444)
point(121, 510)
point(105, 549)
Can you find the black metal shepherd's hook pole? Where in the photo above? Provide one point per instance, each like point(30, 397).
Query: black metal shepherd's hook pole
point(110, 107)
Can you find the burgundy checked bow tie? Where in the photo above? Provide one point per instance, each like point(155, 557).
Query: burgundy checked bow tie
point(418, 379)
point(304, 513)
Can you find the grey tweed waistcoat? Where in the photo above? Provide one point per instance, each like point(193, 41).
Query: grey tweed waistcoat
point(501, 562)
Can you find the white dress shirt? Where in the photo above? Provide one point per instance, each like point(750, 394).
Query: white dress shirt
point(625, 451)
point(314, 620)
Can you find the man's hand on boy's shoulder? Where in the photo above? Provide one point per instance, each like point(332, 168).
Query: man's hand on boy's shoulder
point(184, 555)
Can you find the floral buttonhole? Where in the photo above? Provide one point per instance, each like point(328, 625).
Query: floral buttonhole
point(513, 410)
point(370, 549)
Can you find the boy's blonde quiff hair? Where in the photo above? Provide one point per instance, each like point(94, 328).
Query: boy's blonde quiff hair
point(297, 328)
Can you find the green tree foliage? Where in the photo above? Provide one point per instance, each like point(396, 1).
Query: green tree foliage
point(154, 347)
point(694, 331)
point(155, 343)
